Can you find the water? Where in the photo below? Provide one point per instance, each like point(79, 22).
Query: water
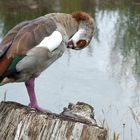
point(105, 74)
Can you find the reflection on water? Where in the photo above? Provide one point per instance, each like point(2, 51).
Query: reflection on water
point(106, 74)
point(14, 11)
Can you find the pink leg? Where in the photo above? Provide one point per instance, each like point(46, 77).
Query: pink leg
point(33, 101)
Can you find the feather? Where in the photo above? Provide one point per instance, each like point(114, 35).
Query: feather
point(81, 16)
point(32, 46)
point(49, 42)
point(76, 36)
point(48, 33)
point(12, 66)
point(4, 63)
point(30, 36)
point(8, 39)
point(11, 70)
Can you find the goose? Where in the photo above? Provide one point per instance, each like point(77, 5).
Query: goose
point(32, 46)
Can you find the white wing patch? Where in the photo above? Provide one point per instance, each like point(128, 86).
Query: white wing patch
point(51, 42)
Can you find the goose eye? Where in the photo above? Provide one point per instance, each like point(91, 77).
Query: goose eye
point(81, 44)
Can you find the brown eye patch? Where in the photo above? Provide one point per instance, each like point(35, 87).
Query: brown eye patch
point(81, 44)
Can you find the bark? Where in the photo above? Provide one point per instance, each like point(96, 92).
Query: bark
point(19, 122)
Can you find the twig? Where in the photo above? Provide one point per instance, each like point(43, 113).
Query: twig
point(5, 95)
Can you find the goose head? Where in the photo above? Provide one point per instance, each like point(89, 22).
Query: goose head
point(85, 31)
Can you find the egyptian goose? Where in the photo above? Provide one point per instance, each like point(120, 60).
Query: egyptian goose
point(32, 46)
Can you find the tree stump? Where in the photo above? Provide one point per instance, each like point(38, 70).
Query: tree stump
point(19, 122)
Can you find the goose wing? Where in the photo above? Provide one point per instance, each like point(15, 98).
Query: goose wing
point(22, 39)
point(8, 39)
point(31, 35)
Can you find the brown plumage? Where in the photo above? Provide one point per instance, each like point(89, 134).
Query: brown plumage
point(22, 59)
point(81, 16)
point(4, 63)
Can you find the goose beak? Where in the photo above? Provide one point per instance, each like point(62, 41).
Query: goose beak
point(70, 45)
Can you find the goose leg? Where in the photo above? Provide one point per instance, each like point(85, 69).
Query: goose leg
point(31, 92)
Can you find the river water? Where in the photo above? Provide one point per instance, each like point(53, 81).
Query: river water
point(105, 74)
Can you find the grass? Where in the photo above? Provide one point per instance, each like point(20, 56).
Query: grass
point(127, 128)
point(136, 118)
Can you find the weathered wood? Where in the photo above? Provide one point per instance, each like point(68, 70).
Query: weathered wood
point(18, 122)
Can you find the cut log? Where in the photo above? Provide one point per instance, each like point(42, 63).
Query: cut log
point(19, 122)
